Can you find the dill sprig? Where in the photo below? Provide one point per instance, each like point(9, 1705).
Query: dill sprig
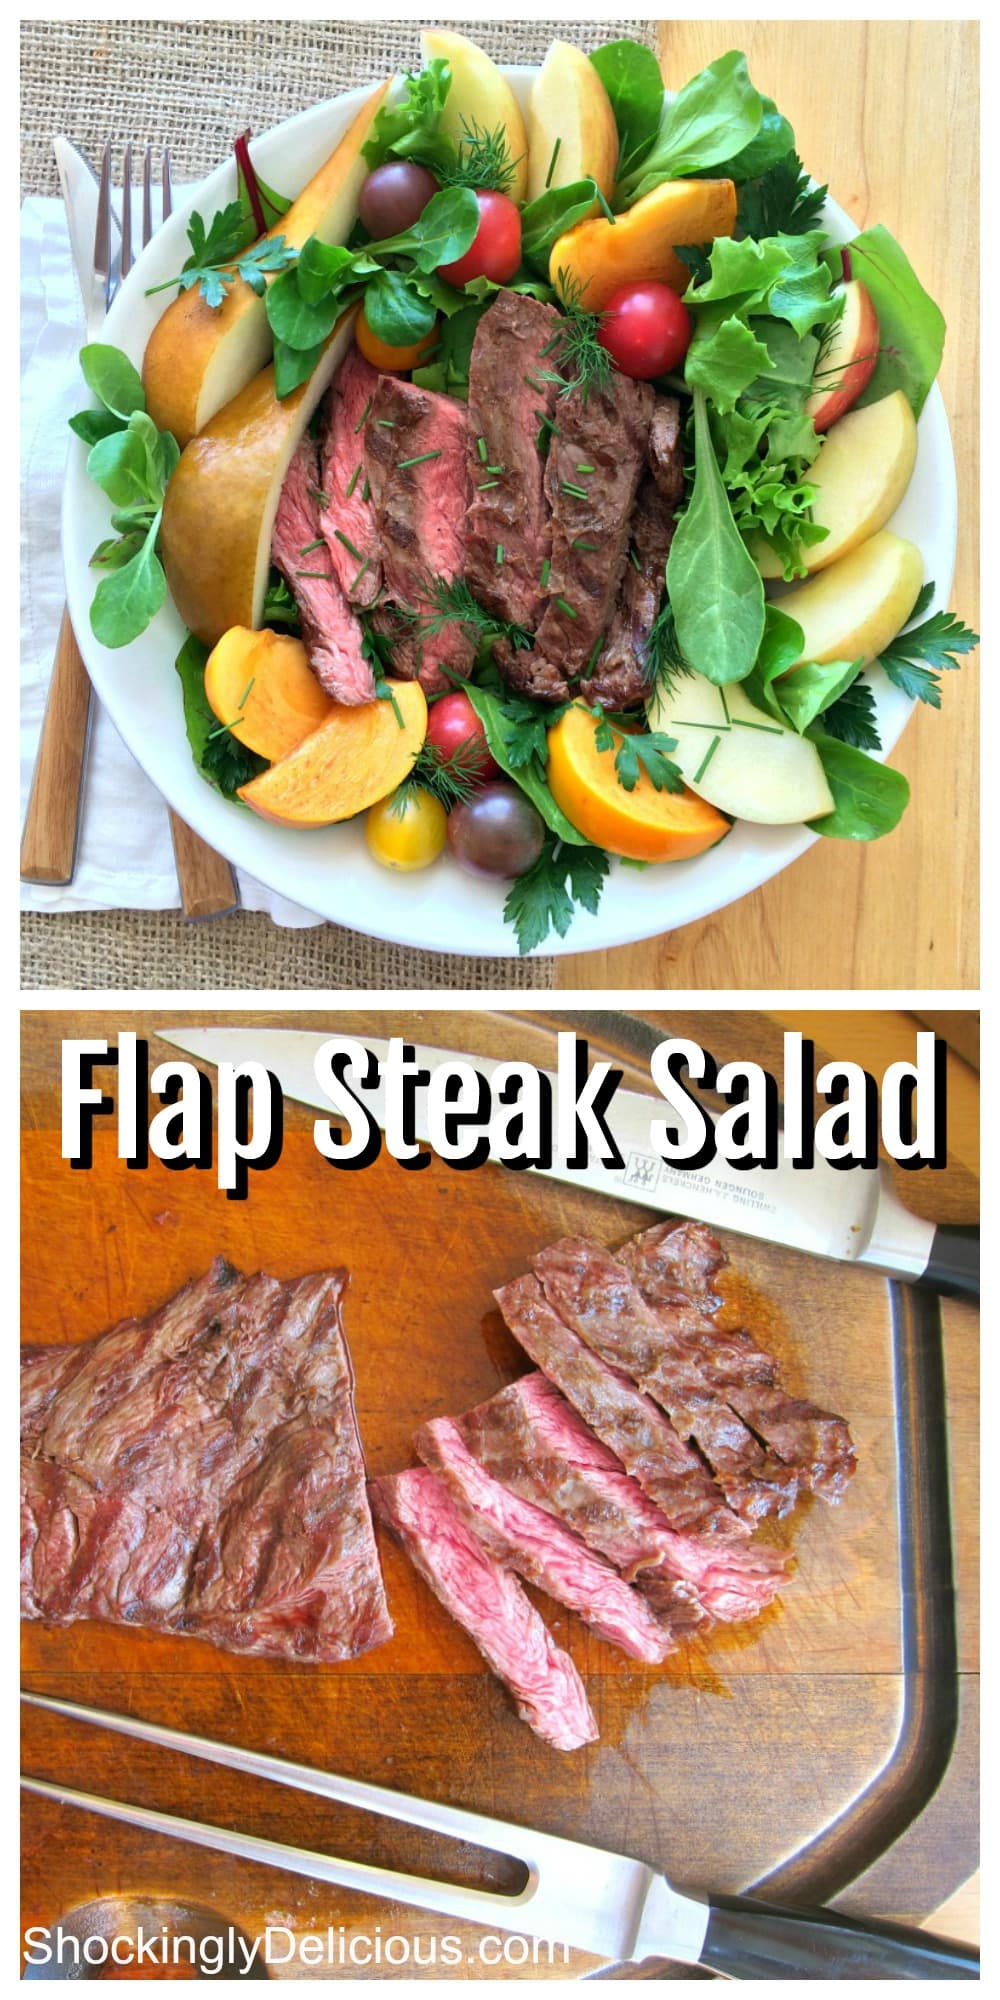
point(484, 161)
point(453, 604)
point(583, 363)
point(449, 777)
point(664, 663)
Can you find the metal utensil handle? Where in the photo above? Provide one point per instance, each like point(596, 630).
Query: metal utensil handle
point(953, 1265)
point(747, 1939)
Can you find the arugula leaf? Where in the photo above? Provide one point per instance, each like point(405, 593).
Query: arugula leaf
point(543, 900)
point(713, 583)
point(915, 660)
point(220, 758)
point(782, 202)
point(409, 129)
point(631, 76)
point(911, 326)
point(515, 733)
point(869, 798)
point(853, 718)
point(549, 216)
point(299, 322)
point(714, 117)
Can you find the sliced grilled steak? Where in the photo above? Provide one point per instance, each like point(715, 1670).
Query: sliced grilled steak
point(678, 1256)
point(330, 631)
point(520, 1536)
point(665, 451)
point(592, 474)
point(536, 1445)
point(621, 678)
point(489, 1603)
point(507, 399)
point(628, 1422)
point(415, 461)
point(347, 512)
point(199, 1471)
point(594, 1293)
point(816, 1443)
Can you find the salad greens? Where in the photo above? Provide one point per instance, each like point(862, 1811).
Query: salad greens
point(911, 326)
point(916, 659)
point(869, 798)
point(710, 121)
point(544, 899)
point(220, 757)
point(131, 461)
point(715, 588)
point(410, 128)
point(631, 76)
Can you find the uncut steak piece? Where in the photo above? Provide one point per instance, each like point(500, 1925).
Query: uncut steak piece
point(536, 1445)
point(594, 1293)
point(597, 452)
point(628, 1422)
point(330, 631)
point(522, 1537)
point(667, 1259)
point(416, 467)
point(489, 1603)
point(199, 1472)
point(508, 401)
point(347, 515)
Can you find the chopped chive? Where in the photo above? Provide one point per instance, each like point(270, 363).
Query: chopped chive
point(609, 212)
point(357, 579)
point(586, 468)
point(349, 546)
point(706, 760)
point(222, 728)
point(581, 544)
point(725, 707)
point(552, 162)
point(679, 722)
point(366, 491)
point(386, 423)
point(485, 484)
point(481, 448)
point(355, 476)
point(323, 575)
point(499, 553)
point(246, 694)
point(546, 571)
point(766, 728)
point(578, 492)
point(594, 657)
point(419, 460)
point(310, 546)
point(316, 493)
point(539, 387)
point(496, 468)
point(634, 560)
point(363, 419)
point(568, 608)
point(383, 692)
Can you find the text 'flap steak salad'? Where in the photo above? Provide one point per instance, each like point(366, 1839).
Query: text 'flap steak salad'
point(524, 482)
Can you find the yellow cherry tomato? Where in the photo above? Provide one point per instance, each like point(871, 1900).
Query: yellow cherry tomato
point(407, 830)
point(396, 359)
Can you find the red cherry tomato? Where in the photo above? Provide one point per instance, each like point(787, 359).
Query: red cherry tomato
point(495, 250)
point(646, 329)
point(452, 722)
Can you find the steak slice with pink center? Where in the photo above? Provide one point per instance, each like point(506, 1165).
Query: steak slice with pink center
point(489, 1603)
point(331, 633)
point(415, 460)
point(347, 517)
point(522, 1537)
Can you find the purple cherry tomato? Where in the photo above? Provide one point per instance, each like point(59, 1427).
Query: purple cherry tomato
point(496, 833)
point(394, 196)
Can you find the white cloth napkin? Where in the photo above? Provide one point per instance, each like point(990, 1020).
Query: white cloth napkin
point(126, 859)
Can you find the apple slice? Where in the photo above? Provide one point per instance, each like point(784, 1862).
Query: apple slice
point(479, 96)
point(570, 105)
point(358, 755)
point(198, 356)
point(847, 362)
point(261, 685)
point(861, 474)
point(852, 610)
point(737, 757)
point(222, 499)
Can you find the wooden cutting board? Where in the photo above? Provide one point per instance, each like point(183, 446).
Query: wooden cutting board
point(717, 1767)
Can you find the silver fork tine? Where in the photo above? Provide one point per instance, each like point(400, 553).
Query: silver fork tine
point(126, 249)
point(168, 197)
point(147, 196)
point(102, 233)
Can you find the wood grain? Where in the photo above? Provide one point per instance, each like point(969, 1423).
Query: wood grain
point(886, 113)
point(52, 822)
point(206, 880)
point(800, 1708)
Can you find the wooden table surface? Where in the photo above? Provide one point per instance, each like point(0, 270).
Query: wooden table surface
point(885, 112)
point(119, 1251)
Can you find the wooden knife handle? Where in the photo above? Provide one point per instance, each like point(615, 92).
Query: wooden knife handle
point(52, 822)
point(207, 883)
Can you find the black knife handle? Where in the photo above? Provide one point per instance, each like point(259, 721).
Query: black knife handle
point(747, 1939)
point(953, 1265)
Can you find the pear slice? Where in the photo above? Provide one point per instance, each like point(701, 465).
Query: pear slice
point(861, 474)
point(480, 96)
point(223, 496)
point(569, 104)
point(739, 759)
point(198, 356)
point(852, 610)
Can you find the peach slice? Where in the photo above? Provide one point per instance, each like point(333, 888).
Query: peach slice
point(262, 686)
point(642, 825)
point(847, 362)
point(601, 255)
point(356, 756)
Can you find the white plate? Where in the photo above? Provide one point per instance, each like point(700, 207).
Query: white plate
point(330, 870)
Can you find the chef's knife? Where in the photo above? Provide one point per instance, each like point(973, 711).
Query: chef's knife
point(854, 1216)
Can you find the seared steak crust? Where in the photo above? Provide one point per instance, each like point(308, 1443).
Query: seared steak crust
point(508, 397)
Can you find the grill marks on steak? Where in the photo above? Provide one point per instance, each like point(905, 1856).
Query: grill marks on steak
point(489, 1603)
point(507, 398)
point(594, 1293)
point(530, 1439)
point(621, 678)
point(415, 457)
point(199, 1471)
point(330, 631)
point(522, 1537)
point(342, 466)
point(590, 524)
point(814, 1442)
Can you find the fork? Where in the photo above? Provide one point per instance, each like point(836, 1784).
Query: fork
point(52, 824)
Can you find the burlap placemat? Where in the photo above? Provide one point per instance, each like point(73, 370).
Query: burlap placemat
point(193, 85)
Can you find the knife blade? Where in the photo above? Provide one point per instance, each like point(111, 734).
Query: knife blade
point(855, 1217)
point(79, 184)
